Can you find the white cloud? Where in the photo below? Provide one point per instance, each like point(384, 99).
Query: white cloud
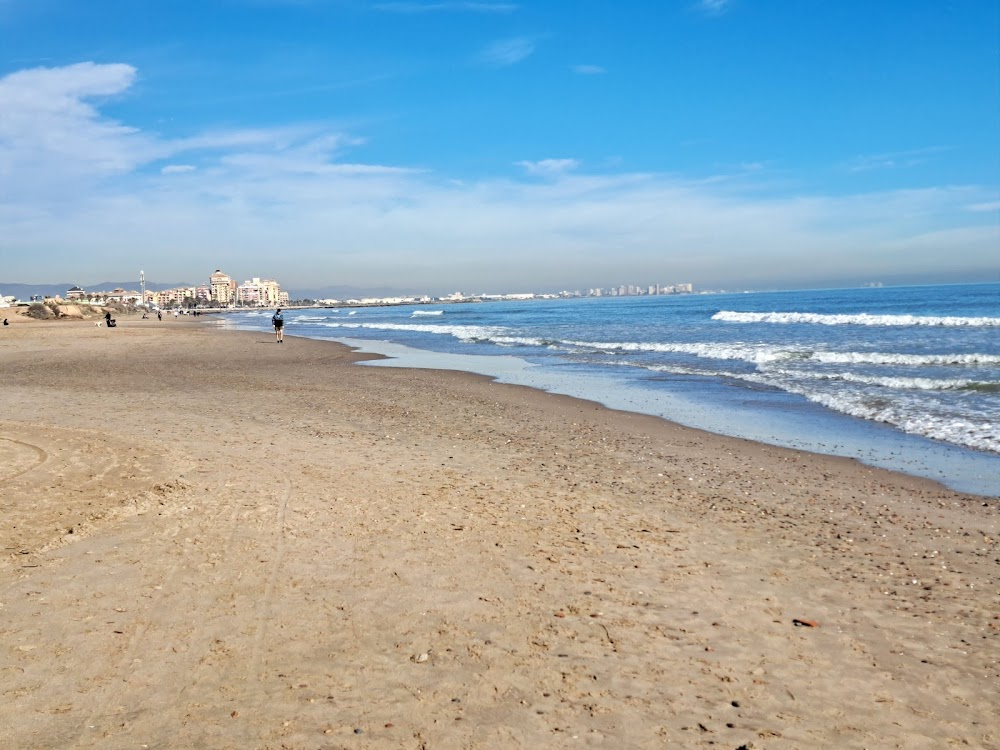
point(508, 51)
point(295, 203)
point(51, 132)
point(988, 207)
point(178, 168)
point(549, 167)
point(589, 70)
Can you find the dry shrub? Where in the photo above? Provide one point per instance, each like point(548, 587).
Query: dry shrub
point(40, 312)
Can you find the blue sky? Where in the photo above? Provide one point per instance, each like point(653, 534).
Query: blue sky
point(438, 145)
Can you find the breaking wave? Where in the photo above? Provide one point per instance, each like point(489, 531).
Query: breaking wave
point(859, 319)
point(460, 332)
point(753, 353)
point(982, 434)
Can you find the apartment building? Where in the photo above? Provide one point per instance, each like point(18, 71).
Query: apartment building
point(223, 288)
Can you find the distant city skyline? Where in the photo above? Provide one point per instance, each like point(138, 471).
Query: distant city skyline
point(441, 146)
point(222, 290)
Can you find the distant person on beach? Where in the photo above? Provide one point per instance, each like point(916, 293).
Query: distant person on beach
point(109, 321)
point(5, 322)
point(279, 326)
point(159, 315)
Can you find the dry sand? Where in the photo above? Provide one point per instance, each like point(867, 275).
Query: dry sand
point(213, 541)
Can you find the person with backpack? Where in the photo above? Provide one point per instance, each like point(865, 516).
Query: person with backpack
point(279, 325)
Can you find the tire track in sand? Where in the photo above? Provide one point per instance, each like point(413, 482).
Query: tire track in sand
point(263, 612)
point(252, 672)
point(43, 456)
point(162, 619)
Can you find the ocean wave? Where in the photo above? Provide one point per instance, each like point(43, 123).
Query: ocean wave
point(706, 350)
point(463, 333)
point(896, 382)
point(417, 313)
point(859, 319)
point(779, 378)
point(982, 435)
point(763, 354)
point(910, 416)
point(889, 358)
point(759, 354)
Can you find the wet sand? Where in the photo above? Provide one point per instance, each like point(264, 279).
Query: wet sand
point(213, 541)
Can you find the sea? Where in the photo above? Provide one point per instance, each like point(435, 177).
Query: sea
point(905, 378)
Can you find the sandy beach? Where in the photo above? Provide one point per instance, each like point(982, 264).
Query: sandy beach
point(213, 541)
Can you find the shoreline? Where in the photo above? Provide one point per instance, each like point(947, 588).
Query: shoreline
point(776, 422)
point(270, 548)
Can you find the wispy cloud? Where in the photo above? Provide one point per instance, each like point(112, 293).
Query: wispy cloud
point(548, 167)
point(508, 51)
point(49, 121)
point(178, 168)
point(988, 207)
point(444, 7)
point(93, 195)
point(714, 7)
point(894, 160)
point(589, 70)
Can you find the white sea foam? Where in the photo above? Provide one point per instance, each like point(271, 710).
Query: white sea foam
point(779, 377)
point(859, 319)
point(707, 350)
point(983, 435)
point(417, 313)
point(463, 333)
point(909, 416)
point(760, 354)
point(903, 383)
point(888, 358)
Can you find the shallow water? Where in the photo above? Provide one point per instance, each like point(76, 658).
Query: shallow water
point(904, 378)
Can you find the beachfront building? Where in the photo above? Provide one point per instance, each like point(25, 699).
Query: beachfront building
point(223, 288)
point(122, 297)
point(75, 293)
point(176, 297)
point(260, 293)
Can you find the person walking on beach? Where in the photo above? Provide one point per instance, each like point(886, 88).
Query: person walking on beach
point(279, 325)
